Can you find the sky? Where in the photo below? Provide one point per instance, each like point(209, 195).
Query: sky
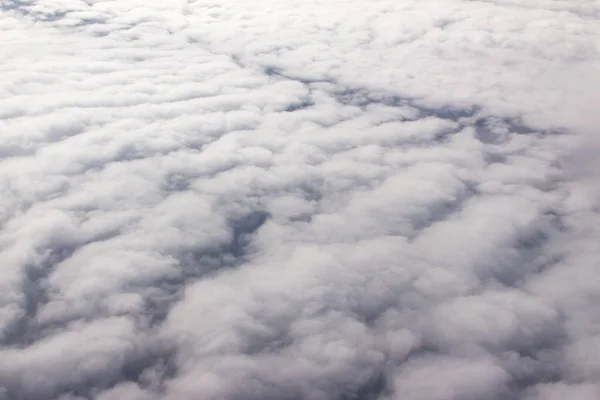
point(299, 200)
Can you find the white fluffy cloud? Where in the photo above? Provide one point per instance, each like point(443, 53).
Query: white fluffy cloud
point(299, 200)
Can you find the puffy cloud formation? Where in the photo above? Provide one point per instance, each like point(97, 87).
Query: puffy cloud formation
point(302, 200)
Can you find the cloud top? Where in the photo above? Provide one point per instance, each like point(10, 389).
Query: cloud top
point(299, 200)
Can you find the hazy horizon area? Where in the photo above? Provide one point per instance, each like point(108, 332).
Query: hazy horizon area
point(299, 200)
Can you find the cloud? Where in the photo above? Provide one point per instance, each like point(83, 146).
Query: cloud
point(300, 200)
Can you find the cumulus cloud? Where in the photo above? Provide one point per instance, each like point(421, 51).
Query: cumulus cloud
point(299, 200)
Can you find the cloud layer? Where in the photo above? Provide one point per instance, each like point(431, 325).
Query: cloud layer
point(346, 200)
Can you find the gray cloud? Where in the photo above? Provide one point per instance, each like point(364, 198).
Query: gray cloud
point(351, 200)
